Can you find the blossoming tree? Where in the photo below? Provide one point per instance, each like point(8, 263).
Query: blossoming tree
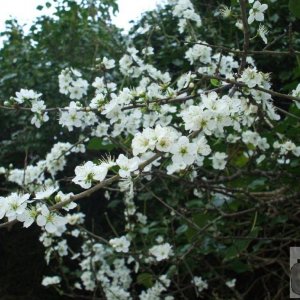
point(192, 167)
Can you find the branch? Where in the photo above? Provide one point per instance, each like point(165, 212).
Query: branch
point(168, 100)
point(252, 52)
point(88, 192)
point(246, 36)
point(241, 84)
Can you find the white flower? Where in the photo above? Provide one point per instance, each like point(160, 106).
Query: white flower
point(231, 283)
point(183, 151)
point(78, 89)
point(121, 244)
point(100, 130)
point(38, 119)
point(76, 92)
point(262, 31)
point(185, 80)
point(159, 239)
point(75, 218)
point(251, 77)
point(161, 252)
point(239, 24)
point(257, 12)
point(62, 248)
point(88, 173)
point(3, 207)
point(200, 53)
point(200, 283)
point(166, 137)
point(97, 101)
point(72, 117)
point(61, 197)
point(127, 165)
point(125, 64)
point(175, 167)
point(45, 193)
point(148, 51)
point(296, 93)
point(296, 151)
point(38, 106)
point(99, 84)
point(28, 217)
point(16, 205)
point(71, 83)
point(49, 220)
point(196, 118)
point(76, 72)
point(184, 10)
point(202, 147)
point(141, 218)
point(219, 160)
point(108, 63)
point(112, 110)
point(225, 11)
point(141, 143)
point(51, 280)
point(24, 95)
point(214, 104)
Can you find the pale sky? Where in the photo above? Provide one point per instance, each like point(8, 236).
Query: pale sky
point(25, 11)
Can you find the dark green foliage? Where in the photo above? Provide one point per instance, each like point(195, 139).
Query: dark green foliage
point(75, 35)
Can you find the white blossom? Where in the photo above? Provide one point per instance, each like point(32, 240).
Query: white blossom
point(108, 63)
point(121, 244)
point(262, 31)
point(200, 283)
point(183, 151)
point(49, 220)
point(16, 205)
point(231, 283)
point(257, 12)
point(219, 160)
point(51, 280)
point(161, 252)
point(24, 95)
point(89, 172)
point(127, 165)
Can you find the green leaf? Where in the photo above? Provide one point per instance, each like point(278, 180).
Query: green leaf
point(240, 161)
point(144, 230)
point(279, 219)
point(177, 62)
point(195, 203)
point(39, 7)
point(239, 267)
point(7, 77)
point(201, 219)
point(97, 144)
point(295, 163)
point(237, 247)
point(181, 229)
point(294, 6)
point(145, 279)
point(259, 182)
point(113, 203)
point(172, 270)
point(215, 82)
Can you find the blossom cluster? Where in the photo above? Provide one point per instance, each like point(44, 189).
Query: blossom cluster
point(199, 127)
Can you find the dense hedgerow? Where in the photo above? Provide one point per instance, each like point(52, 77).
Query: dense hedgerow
point(196, 167)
